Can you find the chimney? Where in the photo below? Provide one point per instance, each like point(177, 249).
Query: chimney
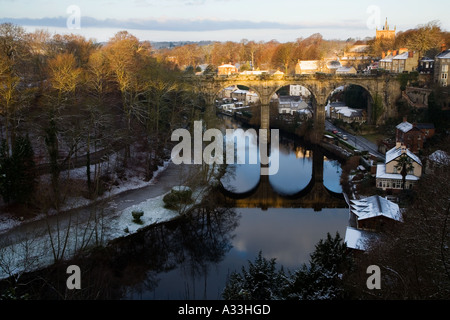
point(383, 55)
point(410, 54)
point(403, 149)
point(405, 119)
point(398, 144)
point(443, 47)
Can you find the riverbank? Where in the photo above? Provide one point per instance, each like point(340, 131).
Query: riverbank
point(10, 219)
point(32, 245)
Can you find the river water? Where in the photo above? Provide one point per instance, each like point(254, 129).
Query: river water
point(216, 242)
point(191, 257)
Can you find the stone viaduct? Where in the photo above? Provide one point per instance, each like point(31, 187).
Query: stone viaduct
point(315, 195)
point(384, 88)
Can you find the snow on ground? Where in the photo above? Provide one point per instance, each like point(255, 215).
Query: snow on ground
point(132, 182)
point(39, 248)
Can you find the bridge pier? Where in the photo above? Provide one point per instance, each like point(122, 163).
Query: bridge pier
point(319, 124)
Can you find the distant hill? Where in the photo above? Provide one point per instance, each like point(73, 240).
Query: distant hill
point(156, 45)
point(172, 44)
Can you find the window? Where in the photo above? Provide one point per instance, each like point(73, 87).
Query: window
point(445, 68)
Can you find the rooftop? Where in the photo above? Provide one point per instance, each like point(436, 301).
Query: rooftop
point(401, 56)
point(440, 157)
point(358, 239)
point(444, 54)
point(375, 206)
point(425, 126)
point(396, 152)
point(405, 126)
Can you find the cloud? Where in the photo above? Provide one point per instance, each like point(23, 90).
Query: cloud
point(181, 24)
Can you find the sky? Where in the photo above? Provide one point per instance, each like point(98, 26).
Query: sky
point(222, 20)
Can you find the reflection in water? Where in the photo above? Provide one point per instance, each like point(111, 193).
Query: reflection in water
point(191, 258)
point(189, 246)
point(294, 174)
point(134, 266)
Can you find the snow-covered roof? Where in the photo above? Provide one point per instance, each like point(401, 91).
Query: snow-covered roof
point(358, 239)
point(309, 64)
point(405, 126)
point(359, 48)
point(396, 152)
point(444, 54)
point(426, 59)
point(401, 56)
point(381, 174)
point(347, 111)
point(440, 157)
point(227, 66)
point(345, 69)
point(240, 91)
point(375, 206)
point(387, 58)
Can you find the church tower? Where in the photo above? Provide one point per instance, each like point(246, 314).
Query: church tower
point(386, 33)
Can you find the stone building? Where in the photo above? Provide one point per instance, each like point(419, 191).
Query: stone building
point(413, 135)
point(386, 33)
point(441, 68)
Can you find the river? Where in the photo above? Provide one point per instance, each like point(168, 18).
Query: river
point(289, 234)
point(191, 257)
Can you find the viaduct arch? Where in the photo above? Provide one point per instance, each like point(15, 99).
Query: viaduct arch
point(383, 87)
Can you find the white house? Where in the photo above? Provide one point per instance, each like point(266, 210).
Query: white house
point(298, 90)
point(347, 114)
point(388, 176)
point(251, 98)
point(291, 104)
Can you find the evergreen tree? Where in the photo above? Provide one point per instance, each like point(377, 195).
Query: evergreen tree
point(322, 279)
point(262, 281)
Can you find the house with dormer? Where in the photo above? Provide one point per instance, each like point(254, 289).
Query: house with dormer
point(388, 174)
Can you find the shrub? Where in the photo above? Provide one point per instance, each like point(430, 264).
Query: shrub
point(177, 196)
point(137, 216)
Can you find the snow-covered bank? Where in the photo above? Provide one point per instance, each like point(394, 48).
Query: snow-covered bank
point(38, 248)
point(9, 221)
point(66, 235)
